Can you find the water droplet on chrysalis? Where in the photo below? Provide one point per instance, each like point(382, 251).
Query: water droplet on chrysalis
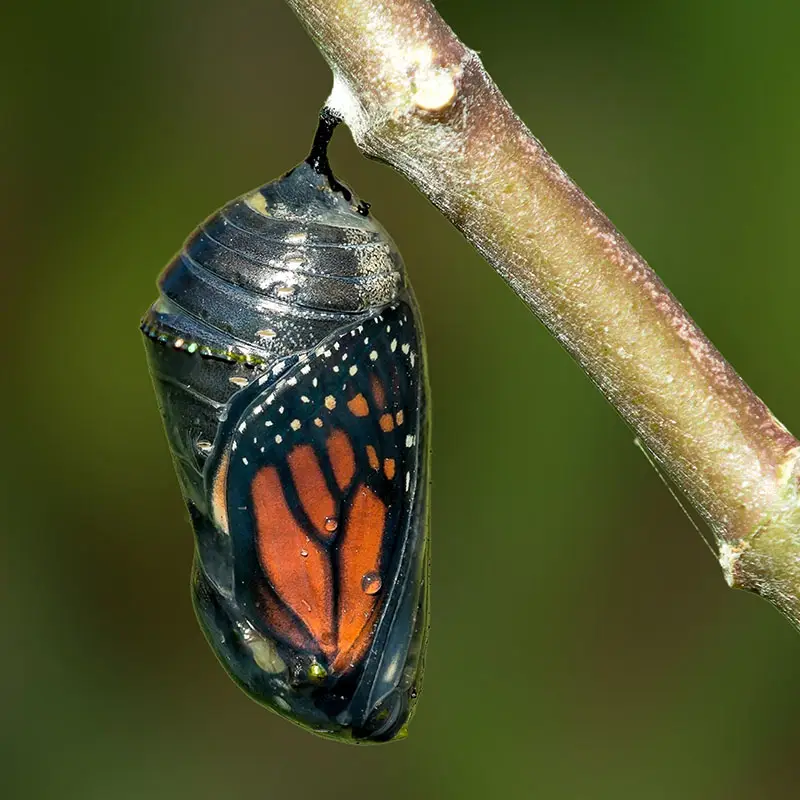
point(371, 583)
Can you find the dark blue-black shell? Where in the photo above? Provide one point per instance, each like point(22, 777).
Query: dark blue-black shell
point(285, 322)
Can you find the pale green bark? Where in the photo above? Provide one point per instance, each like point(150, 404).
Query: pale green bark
point(417, 99)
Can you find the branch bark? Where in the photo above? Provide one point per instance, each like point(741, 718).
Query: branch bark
point(417, 99)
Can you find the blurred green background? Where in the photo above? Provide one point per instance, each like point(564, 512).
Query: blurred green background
point(584, 644)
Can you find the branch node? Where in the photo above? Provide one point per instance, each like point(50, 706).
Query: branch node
point(433, 87)
point(729, 555)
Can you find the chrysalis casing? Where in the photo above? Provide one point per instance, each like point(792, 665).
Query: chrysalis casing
point(287, 356)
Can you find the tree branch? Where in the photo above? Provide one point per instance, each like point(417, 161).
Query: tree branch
point(415, 98)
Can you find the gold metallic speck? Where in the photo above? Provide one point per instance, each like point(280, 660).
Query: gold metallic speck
point(258, 203)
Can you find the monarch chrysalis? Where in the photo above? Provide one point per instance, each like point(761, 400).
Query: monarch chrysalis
point(287, 356)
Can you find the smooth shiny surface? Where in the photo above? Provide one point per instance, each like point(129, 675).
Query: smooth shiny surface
point(287, 357)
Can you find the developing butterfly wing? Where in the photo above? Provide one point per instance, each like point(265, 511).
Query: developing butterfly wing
point(322, 487)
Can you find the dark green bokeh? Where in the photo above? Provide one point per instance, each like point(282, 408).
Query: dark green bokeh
point(584, 643)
